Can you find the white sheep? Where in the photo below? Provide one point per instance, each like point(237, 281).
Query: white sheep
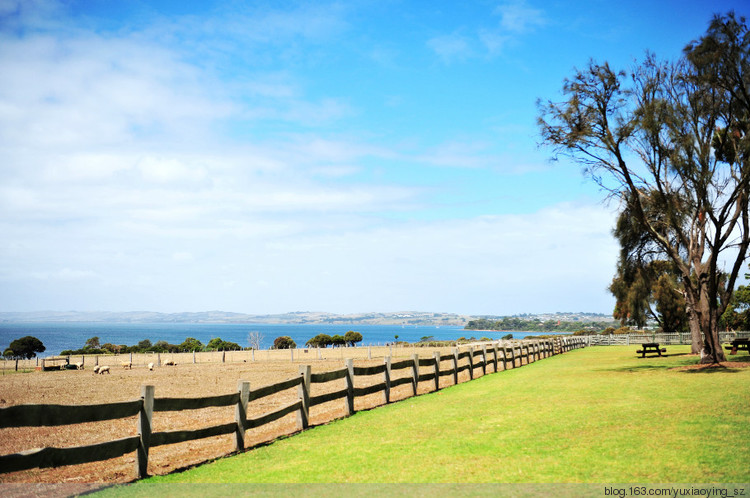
point(170, 363)
point(127, 364)
point(151, 366)
point(103, 369)
point(96, 369)
point(78, 365)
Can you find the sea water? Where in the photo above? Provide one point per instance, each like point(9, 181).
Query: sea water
point(60, 336)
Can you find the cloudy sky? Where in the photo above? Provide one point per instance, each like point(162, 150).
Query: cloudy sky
point(266, 157)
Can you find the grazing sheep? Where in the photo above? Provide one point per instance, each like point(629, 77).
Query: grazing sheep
point(96, 369)
point(127, 364)
point(151, 366)
point(170, 363)
point(103, 369)
point(78, 365)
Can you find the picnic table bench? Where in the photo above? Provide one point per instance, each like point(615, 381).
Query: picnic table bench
point(739, 345)
point(650, 347)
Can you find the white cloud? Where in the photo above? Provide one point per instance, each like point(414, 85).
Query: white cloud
point(127, 186)
point(518, 17)
point(451, 47)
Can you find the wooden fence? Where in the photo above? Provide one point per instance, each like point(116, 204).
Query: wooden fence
point(492, 356)
point(661, 338)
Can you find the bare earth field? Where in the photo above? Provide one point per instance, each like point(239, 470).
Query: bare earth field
point(71, 387)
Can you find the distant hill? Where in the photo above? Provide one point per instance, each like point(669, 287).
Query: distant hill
point(398, 318)
point(299, 317)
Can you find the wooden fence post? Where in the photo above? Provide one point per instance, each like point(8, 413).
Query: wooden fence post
point(387, 374)
point(369, 353)
point(349, 386)
point(240, 414)
point(471, 362)
point(484, 359)
point(303, 415)
point(145, 419)
point(455, 366)
point(415, 372)
point(223, 356)
point(436, 354)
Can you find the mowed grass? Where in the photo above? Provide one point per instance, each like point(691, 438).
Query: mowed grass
point(595, 415)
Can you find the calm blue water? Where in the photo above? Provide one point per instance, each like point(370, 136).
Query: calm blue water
point(60, 336)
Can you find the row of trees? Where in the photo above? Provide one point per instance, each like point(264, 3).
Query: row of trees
point(351, 338)
point(190, 344)
point(670, 141)
point(519, 324)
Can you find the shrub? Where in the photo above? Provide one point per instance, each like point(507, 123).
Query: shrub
point(284, 342)
point(26, 347)
point(320, 341)
point(191, 344)
point(352, 337)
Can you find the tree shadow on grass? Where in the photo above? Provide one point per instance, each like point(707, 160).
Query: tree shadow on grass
point(710, 369)
point(730, 366)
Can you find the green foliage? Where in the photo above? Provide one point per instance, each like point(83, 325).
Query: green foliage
point(737, 315)
point(284, 342)
point(93, 343)
point(217, 344)
point(351, 338)
point(112, 348)
point(320, 341)
point(191, 344)
point(26, 347)
point(507, 337)
point(523, 325)
point(338, 340)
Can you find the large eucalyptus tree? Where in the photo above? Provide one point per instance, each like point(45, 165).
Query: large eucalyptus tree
point(670, 141)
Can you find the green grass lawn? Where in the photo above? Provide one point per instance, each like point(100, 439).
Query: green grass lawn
point(595, 415)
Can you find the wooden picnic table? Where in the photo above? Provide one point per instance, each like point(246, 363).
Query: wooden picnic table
point(650, 347)
point(739, 345)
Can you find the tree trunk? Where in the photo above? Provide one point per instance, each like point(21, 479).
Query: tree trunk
point(709, 320)
point(696, 337)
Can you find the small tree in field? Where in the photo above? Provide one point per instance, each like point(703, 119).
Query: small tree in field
point(351, 338)
point(284, 342)
point(320, 341)
point(26, 348)
point(255, 339)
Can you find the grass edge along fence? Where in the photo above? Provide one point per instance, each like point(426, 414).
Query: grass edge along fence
point(510, 354)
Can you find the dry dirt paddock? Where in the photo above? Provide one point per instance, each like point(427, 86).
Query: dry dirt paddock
point(71, 387)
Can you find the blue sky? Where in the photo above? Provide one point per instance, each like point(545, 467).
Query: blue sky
point(266, 157)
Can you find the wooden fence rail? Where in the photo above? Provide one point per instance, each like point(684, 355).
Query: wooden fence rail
point(509, 354)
